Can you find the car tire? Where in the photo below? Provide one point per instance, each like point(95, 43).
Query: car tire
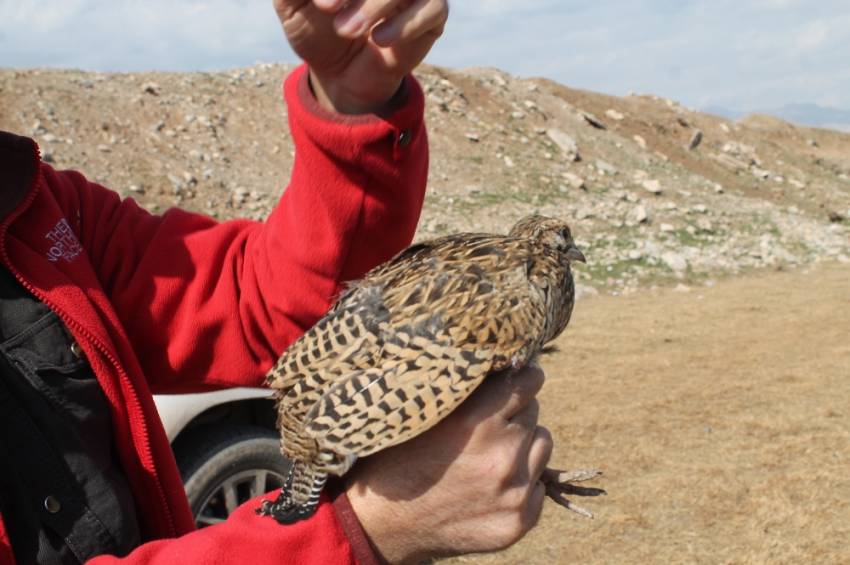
point(224, 466)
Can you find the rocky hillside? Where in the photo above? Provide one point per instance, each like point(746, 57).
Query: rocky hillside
point(656, 193)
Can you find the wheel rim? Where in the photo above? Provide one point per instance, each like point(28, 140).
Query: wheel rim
point(235, 490)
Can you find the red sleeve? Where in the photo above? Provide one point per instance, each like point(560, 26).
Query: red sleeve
point(328, 538)
point(208, 304)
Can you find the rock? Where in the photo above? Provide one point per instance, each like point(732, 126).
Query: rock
point(739, 149)
point(699, 209)
point(737, 165)
point(614, 115)
point(584, 213)
point(835, 217)
point(136, 189)
point(104, 148)
point(240, 195)
point(606, 168)
point(47, 156)
point(705, 225)
point(177, 185)
point(636, 255)
point(725, 128)
point(696, 139)
point(574, 181)
point(675, 261)
point(592, 120)
point(151, 88)
point(667, 228)
point(761, 174)
point(509, 163)
point(652, 186)
point(637, 215)
point(812, 143)
point(640, 141)
point(797, 184)
point(49, 138)
point(682, 288)
point(472, 136)
point(565, 142)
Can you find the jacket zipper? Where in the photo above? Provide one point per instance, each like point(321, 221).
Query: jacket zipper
point(146, 455)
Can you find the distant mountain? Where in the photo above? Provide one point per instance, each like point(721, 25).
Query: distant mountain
point(724, 112)
point(806, 114)
point(814, 115)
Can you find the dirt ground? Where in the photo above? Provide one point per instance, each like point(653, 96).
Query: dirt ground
point(721, 417)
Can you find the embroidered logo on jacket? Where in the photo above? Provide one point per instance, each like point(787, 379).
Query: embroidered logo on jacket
point(65, 243)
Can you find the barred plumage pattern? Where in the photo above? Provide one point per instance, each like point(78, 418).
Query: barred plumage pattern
point(407, 344)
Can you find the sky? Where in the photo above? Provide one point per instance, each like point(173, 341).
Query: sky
point(737, 54)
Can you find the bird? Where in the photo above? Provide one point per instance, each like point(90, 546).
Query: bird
point(406, 344)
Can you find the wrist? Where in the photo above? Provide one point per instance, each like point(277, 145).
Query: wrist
point(393, 537)
point(369, 98)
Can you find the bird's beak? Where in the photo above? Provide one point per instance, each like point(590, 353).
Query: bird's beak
point(573, 254)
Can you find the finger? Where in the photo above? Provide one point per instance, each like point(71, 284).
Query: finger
point(519, 388)
point(539, 453)
point(421, 17)
point(359, 16)
point(525, 420)
point(504, 394)
point(534, 507)
point(287, 7)
point(329, 5)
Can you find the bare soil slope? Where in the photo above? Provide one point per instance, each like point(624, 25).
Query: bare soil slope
point(720, 417)
point(655, 192)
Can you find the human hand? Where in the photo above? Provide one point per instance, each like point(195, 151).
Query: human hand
point(355, 65)
point(469, 484)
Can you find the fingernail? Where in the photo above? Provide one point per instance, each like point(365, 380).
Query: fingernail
point(383, 35)
point(351, 24)
point(330, 4)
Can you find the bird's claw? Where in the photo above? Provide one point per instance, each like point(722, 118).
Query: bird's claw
point(559, 483)
point(283, 510)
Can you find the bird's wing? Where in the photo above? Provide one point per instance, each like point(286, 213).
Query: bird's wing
point(344, 336)
point(428, 363)
point(421, 379)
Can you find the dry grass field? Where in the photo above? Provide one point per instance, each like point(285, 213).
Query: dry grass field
point(721, 417)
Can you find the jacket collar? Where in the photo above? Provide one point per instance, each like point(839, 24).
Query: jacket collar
point(19, 160)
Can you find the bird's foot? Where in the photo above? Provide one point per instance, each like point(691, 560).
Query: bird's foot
point(559, 483)
point(284, 510)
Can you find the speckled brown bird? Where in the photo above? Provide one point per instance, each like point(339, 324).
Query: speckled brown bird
point(405, 345)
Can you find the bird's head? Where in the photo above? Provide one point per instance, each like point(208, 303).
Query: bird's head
point(551, 232)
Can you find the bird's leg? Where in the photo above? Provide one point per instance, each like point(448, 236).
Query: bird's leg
point(282, 509)
point(559, 483)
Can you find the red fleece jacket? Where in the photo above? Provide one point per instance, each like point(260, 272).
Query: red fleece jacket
point(180, 302)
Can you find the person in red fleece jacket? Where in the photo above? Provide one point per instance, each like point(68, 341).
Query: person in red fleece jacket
point(102, 304)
